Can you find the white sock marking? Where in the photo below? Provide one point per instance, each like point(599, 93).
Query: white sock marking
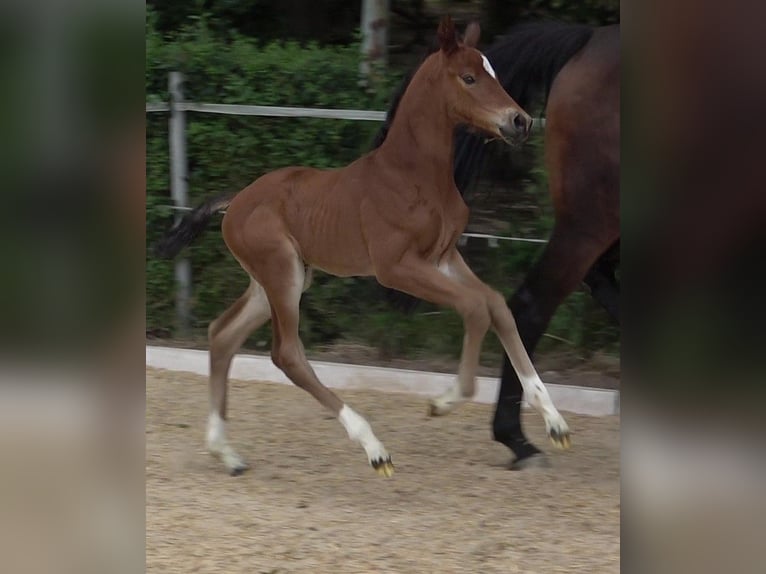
point(488, 66)
point(448, 400)
point(217, 445)
point(538, 398)
point(359, 430)
point(216, 432)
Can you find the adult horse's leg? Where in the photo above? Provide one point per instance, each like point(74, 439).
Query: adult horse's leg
point(284, 279)
point(566, 259)
point(602, 283)
point(226, 335)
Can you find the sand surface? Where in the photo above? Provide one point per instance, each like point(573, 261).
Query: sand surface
point(312, 504)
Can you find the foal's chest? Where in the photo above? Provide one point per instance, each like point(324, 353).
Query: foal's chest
point(442, 226)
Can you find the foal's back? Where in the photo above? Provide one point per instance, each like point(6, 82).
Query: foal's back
point(316, 210)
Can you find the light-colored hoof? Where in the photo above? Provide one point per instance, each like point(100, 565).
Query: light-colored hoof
point(446, 402)
point(564, 442)
point(383, 467)
point(559, 435)
point(237, 468)
point(435, 410)
point(439, 408)
point(231, 460)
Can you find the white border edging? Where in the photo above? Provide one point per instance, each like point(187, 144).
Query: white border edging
point(580, 400)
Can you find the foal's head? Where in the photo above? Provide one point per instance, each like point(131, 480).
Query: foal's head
point(474, 96)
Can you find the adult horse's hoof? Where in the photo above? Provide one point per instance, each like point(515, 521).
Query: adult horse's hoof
point(537, 460)
point(383, 467)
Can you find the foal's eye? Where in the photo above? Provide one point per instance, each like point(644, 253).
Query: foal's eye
point(469, 79)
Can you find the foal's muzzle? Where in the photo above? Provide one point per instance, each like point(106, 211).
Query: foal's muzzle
point(516, 128)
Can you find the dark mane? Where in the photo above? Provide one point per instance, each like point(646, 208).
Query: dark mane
point(530, 55)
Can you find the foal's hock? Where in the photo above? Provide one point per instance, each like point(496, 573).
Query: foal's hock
point(394, 213)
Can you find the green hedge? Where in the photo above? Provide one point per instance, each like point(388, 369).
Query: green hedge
point(225, 153)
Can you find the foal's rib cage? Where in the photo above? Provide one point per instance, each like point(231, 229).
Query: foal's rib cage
point(492, 240)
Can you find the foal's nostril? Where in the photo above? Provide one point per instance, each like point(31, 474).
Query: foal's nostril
point(519, 122)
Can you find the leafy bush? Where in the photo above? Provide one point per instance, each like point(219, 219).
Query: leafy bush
point(226, 153)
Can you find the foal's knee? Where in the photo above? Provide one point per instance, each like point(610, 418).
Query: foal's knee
point(475, 313)
point(499, 310)
point(496, 302)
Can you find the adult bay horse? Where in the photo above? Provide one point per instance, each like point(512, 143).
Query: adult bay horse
point(394, 213)
point(576, 69)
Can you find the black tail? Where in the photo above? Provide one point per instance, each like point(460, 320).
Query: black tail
point(189, 227)
point(526, 61)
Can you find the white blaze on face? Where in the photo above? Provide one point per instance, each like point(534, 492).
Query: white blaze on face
point(488, 66)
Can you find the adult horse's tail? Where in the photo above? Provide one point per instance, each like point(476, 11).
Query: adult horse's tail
point(190, 227)
point(526, 61)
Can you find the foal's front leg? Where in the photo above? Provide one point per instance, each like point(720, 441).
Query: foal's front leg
point(436, 285)
point(504, 326)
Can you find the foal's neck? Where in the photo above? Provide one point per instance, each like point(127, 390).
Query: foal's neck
point(421, 136)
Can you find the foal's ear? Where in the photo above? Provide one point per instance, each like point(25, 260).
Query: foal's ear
point(472, 33)
point(447, 35)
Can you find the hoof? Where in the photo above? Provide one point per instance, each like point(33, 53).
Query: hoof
point(538, 460)
point(560, 439)
point(383, 467)
point(239, 469)
point(439, 410)
point(231, 460)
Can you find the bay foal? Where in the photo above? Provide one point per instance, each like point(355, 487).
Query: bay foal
point(394, 213)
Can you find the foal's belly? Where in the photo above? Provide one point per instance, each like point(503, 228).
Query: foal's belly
point(332, 244)
point(347, 266)
point(340, 252)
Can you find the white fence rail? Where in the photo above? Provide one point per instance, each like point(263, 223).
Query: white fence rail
point(271, 111)
point(177, 107)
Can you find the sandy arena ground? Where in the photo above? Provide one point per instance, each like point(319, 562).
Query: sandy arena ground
point(311, 503)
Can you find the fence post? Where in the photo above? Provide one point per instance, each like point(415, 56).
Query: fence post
point(178, 191)
point(374, 28)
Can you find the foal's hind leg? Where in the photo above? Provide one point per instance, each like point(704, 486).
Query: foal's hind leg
point(226, 335)
point(283, 276)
